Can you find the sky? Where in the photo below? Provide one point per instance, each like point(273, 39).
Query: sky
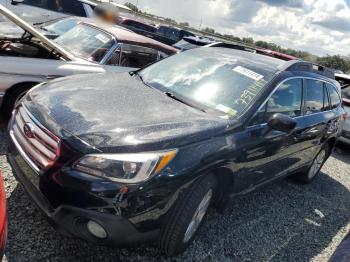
point(321, 27)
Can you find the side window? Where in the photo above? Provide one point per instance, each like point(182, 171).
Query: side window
point(287, 99)
point(134, 56)
point(314, 97)
point(335, 99)
point(61, 6)
point(37, 3)
point(115, 58)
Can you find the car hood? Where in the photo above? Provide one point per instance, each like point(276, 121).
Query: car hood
point(115, 110)
point(34, 32)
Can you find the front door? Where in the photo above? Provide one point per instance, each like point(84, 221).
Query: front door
point(267, 154)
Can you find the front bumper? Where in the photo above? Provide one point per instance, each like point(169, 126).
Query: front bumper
point(70, 220)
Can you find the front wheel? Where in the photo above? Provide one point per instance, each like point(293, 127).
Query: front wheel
point(186, 216)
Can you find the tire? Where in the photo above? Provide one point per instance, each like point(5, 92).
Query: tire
point(315, 168)
point(12, 96)
point(179, 230)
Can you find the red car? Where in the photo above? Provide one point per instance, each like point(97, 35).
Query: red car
point(276, 54)
point(3, 217)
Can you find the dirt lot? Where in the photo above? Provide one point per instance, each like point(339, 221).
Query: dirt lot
point(283, 222)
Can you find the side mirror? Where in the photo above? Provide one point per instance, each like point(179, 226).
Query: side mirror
point(16, 2)
point(282, 123)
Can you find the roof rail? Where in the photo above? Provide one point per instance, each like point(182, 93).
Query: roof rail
point(232, 46)
point(298, 65)
point(251, 49)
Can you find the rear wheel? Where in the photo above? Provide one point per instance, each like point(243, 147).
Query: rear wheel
point(315, 168)
point(187, 215)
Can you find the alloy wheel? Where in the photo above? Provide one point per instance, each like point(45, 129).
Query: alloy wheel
point(317, 164)
point(198, 216)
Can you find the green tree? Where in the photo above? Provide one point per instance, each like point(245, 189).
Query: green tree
point(132, 7)
point(248, 40)
point(184, 24)
point(209, 30)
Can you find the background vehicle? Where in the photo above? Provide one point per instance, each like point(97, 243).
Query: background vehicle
point(170, 140)
point(190, 42)
point(40, 11)
point(138, 27)
point(172, 34)
point(3, 217)
point(51, 29)
point(145, 29)
point(344, 81)
point(342, 253)
point(276, 54)
point(19, 54)
point(107, 44)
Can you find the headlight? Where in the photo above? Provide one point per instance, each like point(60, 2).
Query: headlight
point(125, 168)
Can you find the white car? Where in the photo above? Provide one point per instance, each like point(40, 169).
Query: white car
point(344, 80)
point(43, 10)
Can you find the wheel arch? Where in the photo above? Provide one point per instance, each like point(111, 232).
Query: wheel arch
point(226, 180)
point(15, 90)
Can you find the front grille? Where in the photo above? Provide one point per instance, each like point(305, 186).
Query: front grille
point(37, 145)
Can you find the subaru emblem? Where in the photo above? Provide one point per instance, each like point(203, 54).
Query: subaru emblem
point(29, 130)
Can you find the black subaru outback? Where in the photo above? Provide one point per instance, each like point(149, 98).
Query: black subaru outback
point(119, 159)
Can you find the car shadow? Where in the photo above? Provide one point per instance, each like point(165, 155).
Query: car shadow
point(277, 223)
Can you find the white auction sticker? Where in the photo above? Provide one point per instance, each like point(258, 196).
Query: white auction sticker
point(102, 38)
point(249, 73)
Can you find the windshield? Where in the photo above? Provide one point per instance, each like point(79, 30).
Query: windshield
point(86, 42)
point(227, 81)
point(60, 26)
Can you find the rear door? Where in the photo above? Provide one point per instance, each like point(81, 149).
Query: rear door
point(320, 117)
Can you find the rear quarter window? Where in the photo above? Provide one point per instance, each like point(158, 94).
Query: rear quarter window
point(334, 96)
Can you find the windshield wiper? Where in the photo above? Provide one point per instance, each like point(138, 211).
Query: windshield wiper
point(184, 101)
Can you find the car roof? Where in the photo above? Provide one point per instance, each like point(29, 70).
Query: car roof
point(88, 2)
point(272, 64)
point(259, 60)
point(129, 37)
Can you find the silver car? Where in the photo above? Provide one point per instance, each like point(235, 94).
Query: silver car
point(344, 80)
point(43, 10)
point(32, 59)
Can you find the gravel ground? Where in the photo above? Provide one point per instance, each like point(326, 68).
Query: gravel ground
point(283, 222)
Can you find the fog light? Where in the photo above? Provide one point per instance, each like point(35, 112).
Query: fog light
point(96, 229)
